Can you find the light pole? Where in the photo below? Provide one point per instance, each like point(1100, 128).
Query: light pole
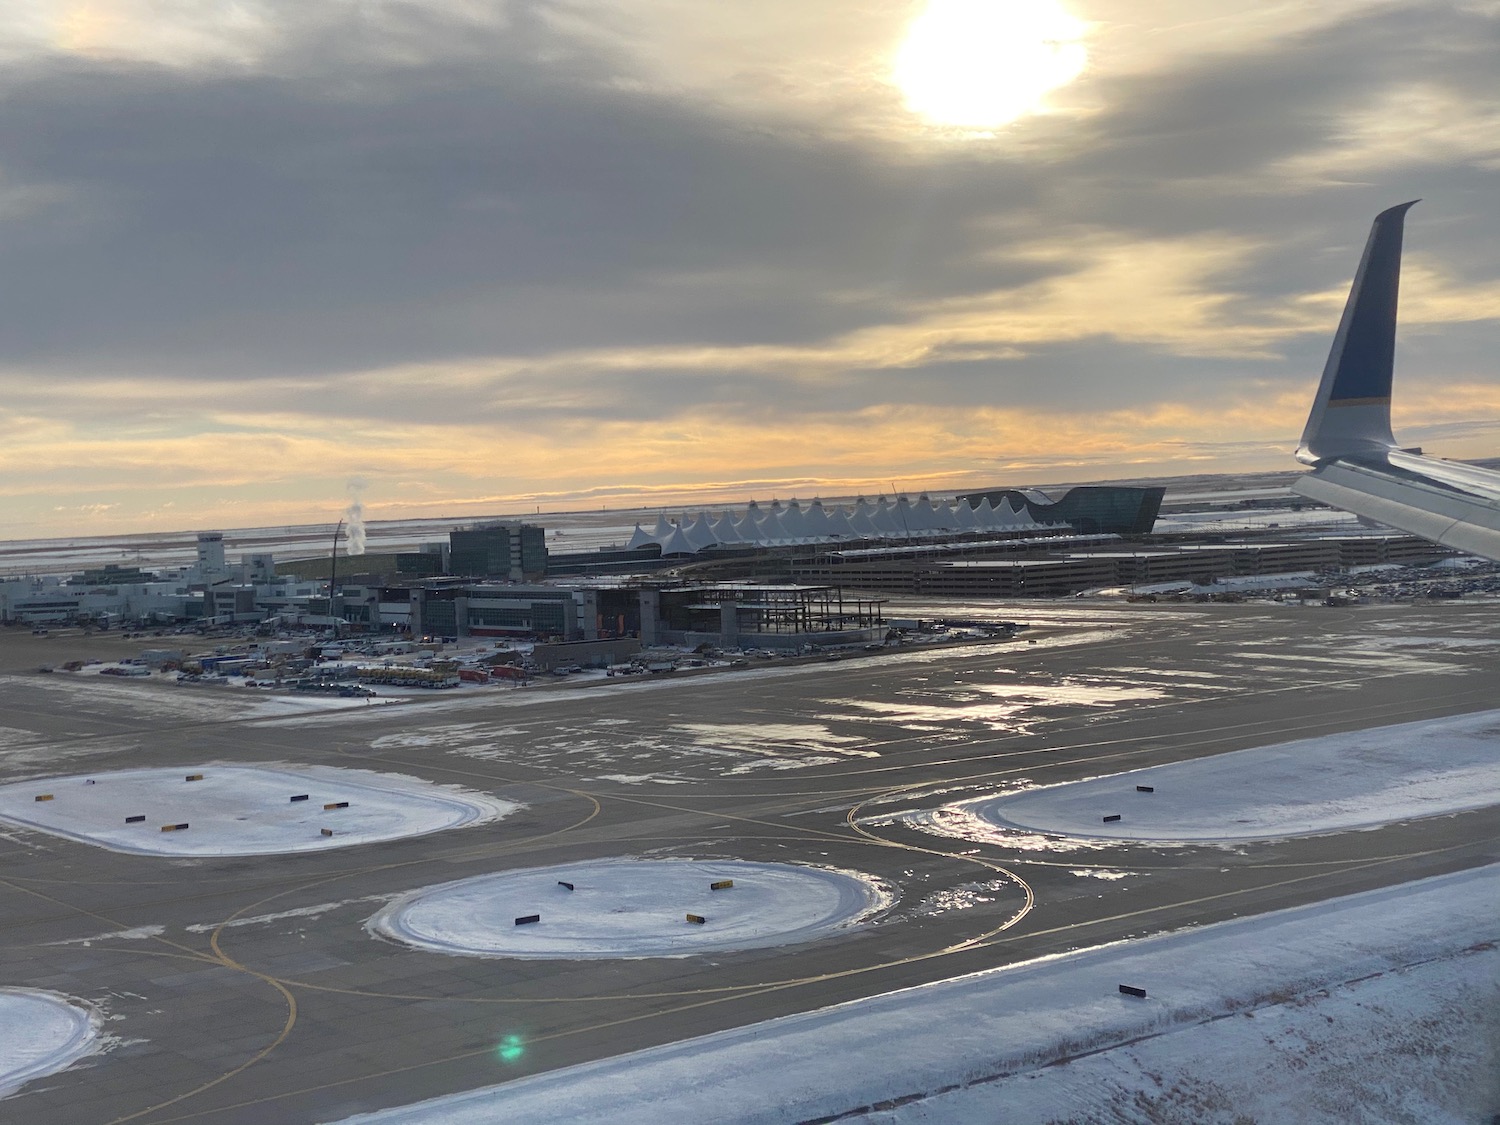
point(333, 570)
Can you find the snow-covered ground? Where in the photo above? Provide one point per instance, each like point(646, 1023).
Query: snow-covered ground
point(1360, 1009)
point(40, 1033)
point(1290, 580)
point(632, 908)
point(270, 706)
point(241, 810)
point(1254, 519)
point(1357, 779)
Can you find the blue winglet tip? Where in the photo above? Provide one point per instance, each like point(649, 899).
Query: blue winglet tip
point(1397, 211)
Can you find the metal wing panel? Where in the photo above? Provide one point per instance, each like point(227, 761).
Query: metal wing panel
point(1415, 497)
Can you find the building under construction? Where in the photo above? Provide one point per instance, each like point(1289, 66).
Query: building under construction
point(749, 616)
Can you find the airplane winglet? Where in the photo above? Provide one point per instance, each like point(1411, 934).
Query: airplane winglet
point(1351, 415)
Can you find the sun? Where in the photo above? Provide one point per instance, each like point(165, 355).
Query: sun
point(980, 64)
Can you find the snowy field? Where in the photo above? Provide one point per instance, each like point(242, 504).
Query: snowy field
point(1354, 1010)
point(1357, 779)
point(1257, 519)
point(241, 810)
point(40, 1033)
point(631, 908)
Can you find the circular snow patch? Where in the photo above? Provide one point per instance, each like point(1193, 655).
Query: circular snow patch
point(631, 908)
point(40, 1033)
point(241, 810)
point(1332, 783)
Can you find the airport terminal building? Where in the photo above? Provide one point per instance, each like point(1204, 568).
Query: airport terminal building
point(1088, 508)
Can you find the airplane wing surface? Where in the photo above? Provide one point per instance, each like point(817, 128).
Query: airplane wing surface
point(1356, 463)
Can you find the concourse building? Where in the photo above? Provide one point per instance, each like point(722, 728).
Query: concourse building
point(1091, 509)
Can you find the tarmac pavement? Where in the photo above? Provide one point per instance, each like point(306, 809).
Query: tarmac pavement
point(262, 997)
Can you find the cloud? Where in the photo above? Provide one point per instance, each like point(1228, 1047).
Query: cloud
point(249, 251)
point(246, 36)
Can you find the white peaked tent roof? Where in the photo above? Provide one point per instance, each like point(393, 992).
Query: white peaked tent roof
point(922, 515)
point(747, 526)
point(793, 521)
point(815, 520)
point(779, 523)
point(901, 516)
point(724, 529)
point(785, 521)
point(984, 515)
point(1016, 516)
point(860, 518)
point(677, 544)
point(885, 520)
point(860, 521)
point(768, 527)
point(840, 527)
point(699, 533)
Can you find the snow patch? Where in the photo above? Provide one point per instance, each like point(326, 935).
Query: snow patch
point(41, 1033)
point(139, 933)
point(297, 912)
point(242, 810)
point(1356, 779)
point(629, 907)
point(641, 778)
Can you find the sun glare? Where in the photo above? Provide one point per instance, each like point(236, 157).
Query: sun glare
point(980, 64)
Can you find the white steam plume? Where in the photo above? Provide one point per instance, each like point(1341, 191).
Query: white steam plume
point(354, 516)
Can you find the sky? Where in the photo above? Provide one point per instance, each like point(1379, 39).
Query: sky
point(262, 258)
